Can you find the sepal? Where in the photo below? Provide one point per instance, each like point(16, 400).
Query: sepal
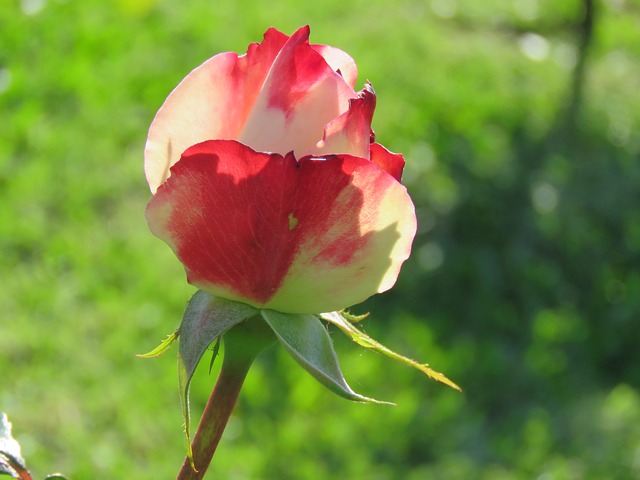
point(308, 342)
point(354, 318)
point(165, 345)
point(205, 319)
point(341, 320)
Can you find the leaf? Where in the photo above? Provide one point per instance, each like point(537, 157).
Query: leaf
point(308, 342)
point(205, 319)
point(11, 461)
point(364, 340)
point(163, 347)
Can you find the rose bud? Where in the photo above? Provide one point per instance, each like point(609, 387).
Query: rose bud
point(267, 183)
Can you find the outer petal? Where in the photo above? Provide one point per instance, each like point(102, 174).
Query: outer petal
point(213, 101)
point(392, 163)
point(297, 237)
point(351, 132)
point(301, 94)
point(357, 247)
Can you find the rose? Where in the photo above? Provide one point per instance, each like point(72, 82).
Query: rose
point(268, 186)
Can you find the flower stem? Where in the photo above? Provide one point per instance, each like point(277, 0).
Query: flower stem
point(242, 344)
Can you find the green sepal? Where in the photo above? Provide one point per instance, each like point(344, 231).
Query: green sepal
point(205, 319)
point(165, 345)
point(361, 338)
point(354, 318)
point(308, 342)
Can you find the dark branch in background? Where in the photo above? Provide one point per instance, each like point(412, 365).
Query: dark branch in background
point(585, 34)
point(582, 28)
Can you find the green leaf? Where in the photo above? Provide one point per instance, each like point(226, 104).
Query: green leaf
point(308, 342)
point(205, 319)
point(160, 349)
point(11, 461)
point(364, 340)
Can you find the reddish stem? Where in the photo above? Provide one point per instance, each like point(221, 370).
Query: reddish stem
point(242, 345)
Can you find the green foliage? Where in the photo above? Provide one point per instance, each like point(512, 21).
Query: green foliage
point(522, 157)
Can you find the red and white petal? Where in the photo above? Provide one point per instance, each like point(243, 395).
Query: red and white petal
point(221, 212)
point(212, 102)
point(340, 62)
point(297, 237)
point(351, 132)
point(357, 225)
point(301, 94)
point(392, 163)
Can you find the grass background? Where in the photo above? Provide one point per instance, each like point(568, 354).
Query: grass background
point(521, 134)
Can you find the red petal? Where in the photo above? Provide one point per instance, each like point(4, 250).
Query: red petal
point(213, 101)
point(392, 163)
point(301, 94)
point(300, 237)
point(351, 132)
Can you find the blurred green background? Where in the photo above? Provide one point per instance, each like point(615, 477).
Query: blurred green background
point(519, 120)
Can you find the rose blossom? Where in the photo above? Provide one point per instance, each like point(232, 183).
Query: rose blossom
point(268, 186)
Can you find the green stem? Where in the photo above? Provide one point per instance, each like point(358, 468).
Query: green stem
point(242, 344)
